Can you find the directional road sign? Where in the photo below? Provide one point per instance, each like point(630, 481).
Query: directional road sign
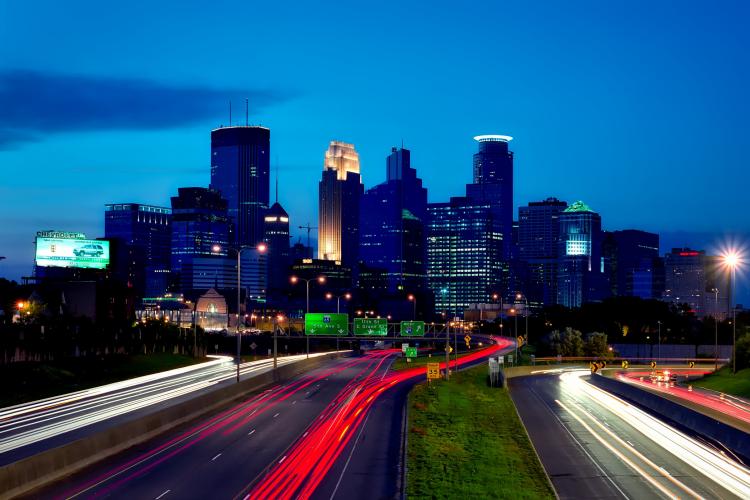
point(412, 328)
point(326, 324)
point(371, 327)
point(411, 352)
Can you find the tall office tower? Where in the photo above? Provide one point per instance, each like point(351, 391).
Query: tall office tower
point(141, 241)
point(392, 225)
point(200, 241)
point(493, 183)
point(340, 191)
point(581, 275)
point(240, 172)
point(463, 249)
point(279, 253)
point(538, 246)
point(685, 278)
point(637, 268)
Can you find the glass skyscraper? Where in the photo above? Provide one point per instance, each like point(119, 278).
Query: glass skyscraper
point(240, 172)
point(141, 242)
point(392, 225)
point(279, 254)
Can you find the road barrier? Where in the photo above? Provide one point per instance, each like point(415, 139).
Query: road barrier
point(33, 472)
point(733, 439)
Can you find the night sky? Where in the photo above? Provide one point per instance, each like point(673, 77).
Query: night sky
point(638, 108)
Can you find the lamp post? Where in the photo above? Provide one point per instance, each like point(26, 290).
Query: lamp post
point(320, 279)
point(277, 324)
point(658, 351)
point(496, 296)
point(260, 248)
point(520, 296)
point(347, 296)
point(413, 299)
point(732, 259)
point(716, 329)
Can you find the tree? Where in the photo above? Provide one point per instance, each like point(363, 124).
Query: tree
point(596, 345)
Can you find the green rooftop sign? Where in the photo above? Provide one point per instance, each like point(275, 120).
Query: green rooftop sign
point(412, 328)
point(326, 324)
point(371, 326)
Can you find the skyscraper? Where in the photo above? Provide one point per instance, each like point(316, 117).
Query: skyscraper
point(581, 276)
point(339, 190)
point(493, 183)
point(279, 258)
point(638, 269)
point(538, 246)
point(463, 249)
point(240, 172)
point(200, 240)
point(392, 225)
point(141, 242)
point(685, 278)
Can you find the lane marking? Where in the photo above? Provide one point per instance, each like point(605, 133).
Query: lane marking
point(282, 459)
point(167, 491)
point(251, 432)
point(217, 456)
point(276, 415)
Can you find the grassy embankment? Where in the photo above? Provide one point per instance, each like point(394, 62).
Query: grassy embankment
point(466, 441)
point(723, 381)
point(24, 382)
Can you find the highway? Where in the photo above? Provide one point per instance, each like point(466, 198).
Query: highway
point(593, 444)
point(726, 404)
point(332, 432)
point(29, 428)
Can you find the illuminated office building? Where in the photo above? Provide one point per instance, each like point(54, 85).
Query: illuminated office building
point(279, 254)
point(339, 190)
point(240, 172)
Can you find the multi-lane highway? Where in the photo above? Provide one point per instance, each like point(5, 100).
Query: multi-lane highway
point(29, 428)
point(593, 444)
point(725, 404)
point(318, 435)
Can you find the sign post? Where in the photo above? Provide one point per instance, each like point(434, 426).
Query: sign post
point(433, 372)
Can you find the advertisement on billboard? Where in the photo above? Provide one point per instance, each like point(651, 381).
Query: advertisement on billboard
point(71, 252)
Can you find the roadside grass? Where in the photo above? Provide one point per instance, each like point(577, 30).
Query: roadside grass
point(29, 381)
point(724, 381)
point(421, 361)
point(466, 441)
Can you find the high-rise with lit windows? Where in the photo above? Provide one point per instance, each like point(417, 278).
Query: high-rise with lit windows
point(339, 191)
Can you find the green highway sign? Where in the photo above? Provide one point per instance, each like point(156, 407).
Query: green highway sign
point(412, 328)
point(411, 352)
point(326, 324)
point(371, 326)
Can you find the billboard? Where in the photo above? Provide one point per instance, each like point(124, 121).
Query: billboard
point(371, 326)
point(412, 328)
point(326, 324)
point(71, 252)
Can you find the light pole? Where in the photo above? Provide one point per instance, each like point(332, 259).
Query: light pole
point(277, 324)
point(716, 329)
point(260, 248)
point(732, 259)
point(413, 299)
point(658, 350)
point(320, 279)
point(520, 296)
point(347, 296)
point(496, 296)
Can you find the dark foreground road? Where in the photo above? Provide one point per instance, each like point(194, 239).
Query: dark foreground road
point(596, 446)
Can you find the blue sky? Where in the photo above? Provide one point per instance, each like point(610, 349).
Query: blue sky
point(638, 108)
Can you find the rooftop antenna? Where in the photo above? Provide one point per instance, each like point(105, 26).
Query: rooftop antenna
point(246, 111)
point(402, 143)
point(230, 113)
point(277, 178)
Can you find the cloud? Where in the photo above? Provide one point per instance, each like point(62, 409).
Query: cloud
point(35, 104)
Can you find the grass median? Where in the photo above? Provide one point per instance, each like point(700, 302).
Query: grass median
point(466, 441)
point(29, 381)
point(737, 384)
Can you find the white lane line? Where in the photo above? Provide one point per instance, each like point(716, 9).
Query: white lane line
point(276, 415)
point(294, 402)
point(282, 459)
point(167, 491)
point(251, 432)
point(217, 456)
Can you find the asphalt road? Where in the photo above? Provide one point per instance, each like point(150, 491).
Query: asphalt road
point(30, 428)
point(595, 446)
point(225, 455)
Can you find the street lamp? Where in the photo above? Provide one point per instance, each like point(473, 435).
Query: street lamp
point(277, 324)
point(716, 329)
point(733, 259)
point(260, 248)
point(658, 351)
point(413, 299)
point(520, 296)
point(320, 279)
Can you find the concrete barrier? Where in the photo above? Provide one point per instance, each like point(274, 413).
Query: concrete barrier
point(733, 439)
point(51, 465)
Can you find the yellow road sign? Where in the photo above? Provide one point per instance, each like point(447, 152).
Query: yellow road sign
point(433, 370)
point(520, 340)
point(691, 364)
point(653, 364)
point(449, 349)
point(625, 364)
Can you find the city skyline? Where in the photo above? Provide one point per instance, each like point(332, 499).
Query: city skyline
point(639, 151)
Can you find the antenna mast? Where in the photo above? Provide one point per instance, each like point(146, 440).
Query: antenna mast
point(246, 111)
